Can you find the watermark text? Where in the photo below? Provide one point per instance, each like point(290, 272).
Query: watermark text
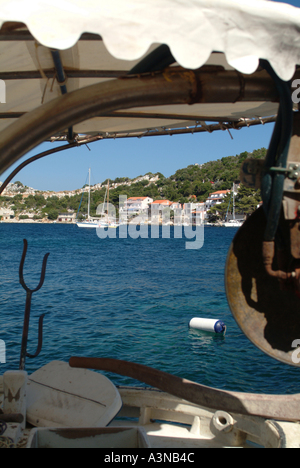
point(158, 218)
point(2, 92)
point(296, 93)
point(2, 352)
point(296, 353)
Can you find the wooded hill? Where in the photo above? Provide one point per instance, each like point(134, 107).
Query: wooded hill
point(197, 180)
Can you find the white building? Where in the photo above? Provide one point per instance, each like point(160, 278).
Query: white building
point(198, 215)
point(6, 214)
point(215, 198)
point(194, 212)
point(66, 218)
point(175, 206)
point(136, 205)
point(158, 211)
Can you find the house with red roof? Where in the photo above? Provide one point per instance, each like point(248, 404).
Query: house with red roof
point(137, 204)
point(158, 211)
point(162, 203)
point(215, 198)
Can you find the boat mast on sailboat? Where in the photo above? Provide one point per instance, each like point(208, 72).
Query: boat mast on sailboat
point(89, 222)
point(233, 222)
point(89, 196)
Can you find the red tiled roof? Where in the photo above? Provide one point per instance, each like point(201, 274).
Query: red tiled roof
point(219, 192)
point(162, 202)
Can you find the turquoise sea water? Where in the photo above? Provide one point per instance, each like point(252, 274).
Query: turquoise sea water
point(130, 299)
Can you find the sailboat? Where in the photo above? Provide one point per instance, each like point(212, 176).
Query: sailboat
point(109, 223)
point(97, 223)
point(89, 222)
point(232, 222)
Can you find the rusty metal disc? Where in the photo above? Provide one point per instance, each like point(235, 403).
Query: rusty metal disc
point(268, 316)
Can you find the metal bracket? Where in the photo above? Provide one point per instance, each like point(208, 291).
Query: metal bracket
point(29, 293)
point(292, 172)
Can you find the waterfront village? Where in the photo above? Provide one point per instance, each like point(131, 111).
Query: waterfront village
point(133, 210)
point(206, 193)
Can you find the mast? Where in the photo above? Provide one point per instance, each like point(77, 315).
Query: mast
point(107, 199)
point(233, 209)
point(226, 217)
point(89, 198)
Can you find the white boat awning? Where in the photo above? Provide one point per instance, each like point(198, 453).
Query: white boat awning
point(245, 30)
point(95, 41)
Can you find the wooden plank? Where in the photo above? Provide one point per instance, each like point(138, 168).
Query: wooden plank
point(281, 407)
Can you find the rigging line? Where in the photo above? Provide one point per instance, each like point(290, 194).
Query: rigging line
point(228, 206)
point(32, 159)
point(42, 155)
point(102, 214)
point(82, 197)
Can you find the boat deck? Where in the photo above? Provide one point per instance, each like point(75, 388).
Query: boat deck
point(154, 419)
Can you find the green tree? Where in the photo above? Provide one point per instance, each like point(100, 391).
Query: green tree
point(53, 214)
point(247, 200)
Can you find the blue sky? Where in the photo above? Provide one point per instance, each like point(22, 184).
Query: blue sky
point(133, 157)
point(295, 3)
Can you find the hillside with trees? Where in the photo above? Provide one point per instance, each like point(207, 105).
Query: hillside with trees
point(196, 180)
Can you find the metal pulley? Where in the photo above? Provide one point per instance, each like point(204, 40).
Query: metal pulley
point(263, 276)
point(265, 307)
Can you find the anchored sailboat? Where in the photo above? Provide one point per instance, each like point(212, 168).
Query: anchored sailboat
point(95, 223)
point(233, 222)
point(110, 223)
point(89, 222)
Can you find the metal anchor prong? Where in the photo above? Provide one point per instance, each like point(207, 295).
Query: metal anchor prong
point(29, 293)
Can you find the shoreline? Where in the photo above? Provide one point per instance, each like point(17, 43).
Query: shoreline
point(27, 221)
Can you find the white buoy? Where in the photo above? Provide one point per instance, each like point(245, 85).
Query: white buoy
point(208, 325)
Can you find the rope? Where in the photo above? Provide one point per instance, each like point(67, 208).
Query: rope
point(3, 427)
point(7, 442)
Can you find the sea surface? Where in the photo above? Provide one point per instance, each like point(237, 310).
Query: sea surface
point(130, 299)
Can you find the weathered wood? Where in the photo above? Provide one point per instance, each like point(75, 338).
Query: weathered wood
point(12, 418)
point(281, 407)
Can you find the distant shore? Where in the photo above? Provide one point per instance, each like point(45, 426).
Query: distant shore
point(30, 221)
point(34, 221)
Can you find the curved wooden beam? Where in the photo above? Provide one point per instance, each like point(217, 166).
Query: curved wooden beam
point(281, 407)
